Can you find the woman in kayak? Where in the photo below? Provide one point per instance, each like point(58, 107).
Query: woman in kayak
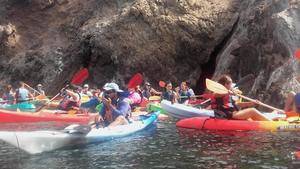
point(8, 95)
point(169, 94)
point(116, 109)
point(184, 93)
point(226, 107)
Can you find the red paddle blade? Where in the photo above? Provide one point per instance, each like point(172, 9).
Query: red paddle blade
point(297, 54)
point(136, 80)
point(161, 83)
point(80, 76)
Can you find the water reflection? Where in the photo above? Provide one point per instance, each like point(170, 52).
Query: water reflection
point(164, 146)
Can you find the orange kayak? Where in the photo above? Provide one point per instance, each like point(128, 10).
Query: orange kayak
point(8, 116)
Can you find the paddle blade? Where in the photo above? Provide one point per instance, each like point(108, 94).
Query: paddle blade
point(297, 54)
point(136, 80)
point(215, 87)
point(80, 76)
point(162, 83)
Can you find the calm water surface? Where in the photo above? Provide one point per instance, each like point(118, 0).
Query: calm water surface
point(164, 146)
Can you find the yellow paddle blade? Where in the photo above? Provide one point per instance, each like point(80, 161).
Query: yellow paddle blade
point(154, 98)
point(215, 87)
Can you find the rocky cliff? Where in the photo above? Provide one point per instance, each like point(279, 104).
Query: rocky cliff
point(46, 41)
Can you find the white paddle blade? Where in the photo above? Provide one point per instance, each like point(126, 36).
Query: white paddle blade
point(215, 87)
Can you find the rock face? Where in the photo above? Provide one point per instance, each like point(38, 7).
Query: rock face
point(46, 41)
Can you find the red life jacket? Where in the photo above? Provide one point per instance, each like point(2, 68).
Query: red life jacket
point(226, 102)
point(67, 103)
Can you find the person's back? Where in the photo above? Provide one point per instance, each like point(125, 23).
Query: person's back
point(22, 94)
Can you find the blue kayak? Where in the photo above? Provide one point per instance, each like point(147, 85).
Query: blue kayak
point(41, 141)
point(24, 106)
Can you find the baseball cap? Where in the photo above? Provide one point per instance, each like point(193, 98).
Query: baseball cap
point(112, 86)
point(85, 85)
point(39, 85)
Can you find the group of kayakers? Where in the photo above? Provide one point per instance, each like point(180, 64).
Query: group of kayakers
point(20, 94)
point(115, 105)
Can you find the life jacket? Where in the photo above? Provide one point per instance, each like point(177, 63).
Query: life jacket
point(220, 103)
point(67, 103)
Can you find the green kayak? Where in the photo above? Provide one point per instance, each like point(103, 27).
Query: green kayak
point(155, 107)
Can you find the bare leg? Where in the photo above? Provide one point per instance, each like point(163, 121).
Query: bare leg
point(249, 113)
point(120, 120)
point(289, 101)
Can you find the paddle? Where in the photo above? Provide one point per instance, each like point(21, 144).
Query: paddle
point(162, 84)
point(220, 89)
point(297, 54)
point(136, 80)
point(77, 79)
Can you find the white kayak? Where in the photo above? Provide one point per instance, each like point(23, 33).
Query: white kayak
point(182, 111)
point(35, 142)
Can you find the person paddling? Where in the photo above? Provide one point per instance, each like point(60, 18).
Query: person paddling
point(149, 91)
point(292, 105)
point(116, 110)
point(22, 94)
point(225, 106)
point(8, 95)
point(71, 99)
point(169, 94)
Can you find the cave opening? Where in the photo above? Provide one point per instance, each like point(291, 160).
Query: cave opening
point(208, 69)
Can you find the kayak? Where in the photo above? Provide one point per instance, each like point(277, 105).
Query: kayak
point(207, 123)
point(182, 111)
point(24, 106)
point(9, 116)
point(155, 107)
point(41, 141)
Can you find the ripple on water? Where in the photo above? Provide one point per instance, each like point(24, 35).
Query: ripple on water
point(167, 147)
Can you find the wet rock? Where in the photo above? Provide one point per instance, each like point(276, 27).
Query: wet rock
point(164, 39)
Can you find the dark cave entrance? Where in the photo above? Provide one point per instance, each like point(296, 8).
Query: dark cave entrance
point(208, 70)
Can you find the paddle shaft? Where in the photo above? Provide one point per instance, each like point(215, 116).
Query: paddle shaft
point(33, 89)
point(39, 109)
point(262, 104)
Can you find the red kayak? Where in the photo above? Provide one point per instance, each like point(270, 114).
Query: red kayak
point(7, 116)
point(206, 123)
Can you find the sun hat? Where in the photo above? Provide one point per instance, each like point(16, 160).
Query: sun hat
point(112, 86)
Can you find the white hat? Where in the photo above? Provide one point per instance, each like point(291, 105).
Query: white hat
point(112, 86)
point(85, 85)
point(39, 85)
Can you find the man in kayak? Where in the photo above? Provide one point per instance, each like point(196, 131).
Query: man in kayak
point(149, 91)
point(22, 94)
point(71, 99)
point(116, 109)
point(226, 107)
point(40, 89)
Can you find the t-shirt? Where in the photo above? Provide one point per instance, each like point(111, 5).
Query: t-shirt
point(23, 94)
point(122, 109)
